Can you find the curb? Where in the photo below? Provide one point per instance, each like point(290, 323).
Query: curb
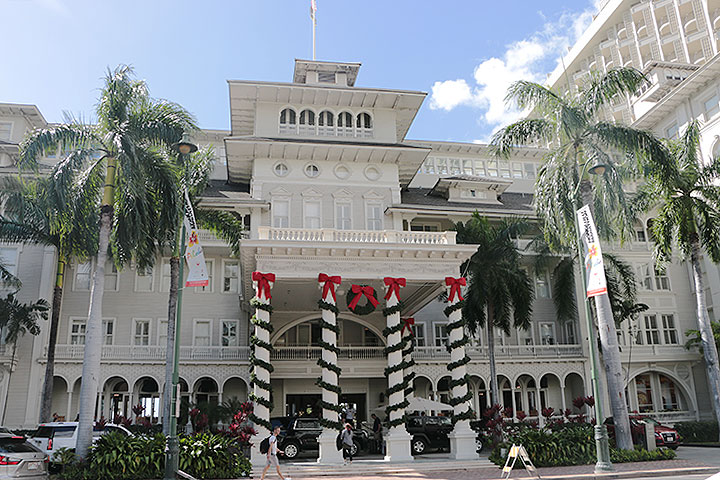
point(631, 474)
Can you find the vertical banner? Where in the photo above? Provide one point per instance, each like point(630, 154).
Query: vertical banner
point(594, 268)
point(197, 269)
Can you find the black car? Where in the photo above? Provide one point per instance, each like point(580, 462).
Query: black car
point(301, 435)
point(428, 432)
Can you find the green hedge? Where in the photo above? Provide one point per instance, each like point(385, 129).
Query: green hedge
point(143, 457)
point(695, 432)
point(573, 444)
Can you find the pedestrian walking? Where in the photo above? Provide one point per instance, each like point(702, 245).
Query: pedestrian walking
point(272, 453)
point(377, 433)
point(347, 443)
point(350, 415)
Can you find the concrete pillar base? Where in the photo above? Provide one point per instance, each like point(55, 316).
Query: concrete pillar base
point(329, 454)
point(397, 445)
point(462, 443)
point(258, 459)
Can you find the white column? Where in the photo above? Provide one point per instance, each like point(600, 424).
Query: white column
point(462, 438)
point(398, 439)
point(409, 372)
point(261, 392)
point(69, 417)
point(329, 454)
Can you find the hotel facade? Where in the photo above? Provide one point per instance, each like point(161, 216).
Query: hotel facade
point(325, 181)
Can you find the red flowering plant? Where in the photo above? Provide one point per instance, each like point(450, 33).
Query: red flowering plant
point(240, 426)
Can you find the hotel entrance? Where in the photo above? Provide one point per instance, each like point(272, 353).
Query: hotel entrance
point(308, 405)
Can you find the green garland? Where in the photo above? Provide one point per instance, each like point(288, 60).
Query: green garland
point(387, 311)
point(261, 323)
point(458, 400)
point(255, 341)
point(460, 381)
point(457, 344)
point(397, 422)
point(326, 423)
point(451, 308)
point(396, 368)
point(453, 365)
point(366, 309)
point(257, 363)
point(468, 413)
point(398, 406)
point(394, 348)
point(254, 380)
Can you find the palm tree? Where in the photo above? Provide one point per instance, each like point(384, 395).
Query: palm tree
point(194, 175)
point(17, 319)
point(50, 211)
point(572, 126)
point(500, 292)
point(139, 199)
point(684, 193)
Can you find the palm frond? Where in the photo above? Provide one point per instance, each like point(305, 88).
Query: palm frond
point(524, 132)
point(608, 86)
point(563, 290)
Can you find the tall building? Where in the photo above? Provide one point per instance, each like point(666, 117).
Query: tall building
point(326, 181)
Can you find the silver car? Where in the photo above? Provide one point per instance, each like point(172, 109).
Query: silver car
point(20, 459)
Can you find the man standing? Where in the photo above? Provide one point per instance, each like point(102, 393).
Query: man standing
point(272, 453)
point(347, 442)
point(350, 415)
point(377, 433)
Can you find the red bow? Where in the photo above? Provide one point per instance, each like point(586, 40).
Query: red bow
point(393, 285)
point(407, 323)
point(359, 292)
point(263, 283)
point(329, 284)
point(454, 284)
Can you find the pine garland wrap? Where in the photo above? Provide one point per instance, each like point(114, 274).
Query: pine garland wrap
point(366, 309)
point(328, 346)
point(396, 368)
point(394, 348)
point(460, 381)
point(254, 380)
point(397, 422)
point(451, 308)
point(262, 324)
point(329, 326)
point(395, 388)
point(328, 306)
point(331, 406)
point(257, 420)
point(387, 311)
point(457, 344)
point(387, 331)
point(329, 366)
point(453, 365)
point(409, 378)
point(458, 400)
point(333, 425)
point(468, 414)
point(328, 386)
point(453, 325)
point(398, 406)
point(255, 341)
point(256, 303)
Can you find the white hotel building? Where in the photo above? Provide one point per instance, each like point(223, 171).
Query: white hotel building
point(327, 182)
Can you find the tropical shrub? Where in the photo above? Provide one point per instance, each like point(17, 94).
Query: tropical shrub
point(143, 457)
point(691, 432)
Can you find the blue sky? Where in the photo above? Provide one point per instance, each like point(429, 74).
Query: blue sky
point(463, 53)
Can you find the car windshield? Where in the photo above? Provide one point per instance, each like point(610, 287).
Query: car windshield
point(445, 421)
point(16, 445)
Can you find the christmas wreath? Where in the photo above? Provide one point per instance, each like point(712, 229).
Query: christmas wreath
point(355, 294)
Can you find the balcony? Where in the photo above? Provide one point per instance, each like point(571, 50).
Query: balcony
point(355, 236)
point(313, 353)
point(503, 351)
point(132, 353)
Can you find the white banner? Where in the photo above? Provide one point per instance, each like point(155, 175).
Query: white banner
point(594, 268)
point(197, 269)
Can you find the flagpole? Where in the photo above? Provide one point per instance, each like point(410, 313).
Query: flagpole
point(314, 24)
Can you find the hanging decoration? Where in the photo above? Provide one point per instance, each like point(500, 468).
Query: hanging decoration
point(457, 339)
point(354, 296)
point(260, 350)
point(328, 381)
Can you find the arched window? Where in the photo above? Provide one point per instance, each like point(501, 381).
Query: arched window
point(326, 123)
point(307, 122)
point(288, 121)
point(345, 124)
point(364, 125)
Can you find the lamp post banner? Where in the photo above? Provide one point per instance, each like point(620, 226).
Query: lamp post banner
point(594, 268)
point(197, 269)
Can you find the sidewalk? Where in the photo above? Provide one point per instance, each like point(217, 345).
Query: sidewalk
point(482, 469)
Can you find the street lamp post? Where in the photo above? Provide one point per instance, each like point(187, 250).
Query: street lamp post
point(602, 445)
point(184, 148)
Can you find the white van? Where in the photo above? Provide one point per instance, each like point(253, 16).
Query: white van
point(52, 436)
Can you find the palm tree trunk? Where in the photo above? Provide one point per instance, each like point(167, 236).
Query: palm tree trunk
point(611, 353)
point(170, 344)
point(93, 327)
point(46, 400)
point(706, 335)
point(494, 391)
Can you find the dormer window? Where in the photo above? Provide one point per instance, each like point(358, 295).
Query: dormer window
point(326, 123)
point(324, 77)
point(288, 121)
point(345, 124)
point(307, 122)
point(364, 125)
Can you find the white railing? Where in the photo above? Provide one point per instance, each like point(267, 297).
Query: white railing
point(313, 353)
point(154, 352)
point(356, 236)
point(503, 351)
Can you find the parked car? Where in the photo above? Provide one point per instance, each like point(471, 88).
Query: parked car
point(52, 436)
point(664, 436)
point(301, 435)
point(428, 432)
point(21, 459)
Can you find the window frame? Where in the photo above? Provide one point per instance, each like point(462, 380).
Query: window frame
point(159, 331)
point(10, 130)
point(165, 261)
point(345, 202)
point(274, 201)
point(374, 204)
point(553, 331)
point(109, 273)
point(437, 337)
point(210, 265)
point(197, 321)
point(80, 321)
point(222, 287)
point(312, 199)
point(419, 327)
point(672, 332)
point(15, 263)
point(152, 280)
point(236, 321)
point(648, 331)
point(76, 268)
point(134, 333)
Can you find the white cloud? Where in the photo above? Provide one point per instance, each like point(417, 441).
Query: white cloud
point(527, 59)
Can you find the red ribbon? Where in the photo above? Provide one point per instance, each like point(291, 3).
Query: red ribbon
point(359, 292)
point(329, 284)
point(454, 284)
point(407, 323)
point(393, 285)
point(263, 283)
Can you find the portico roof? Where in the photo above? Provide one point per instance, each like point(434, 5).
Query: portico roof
point(242, 152)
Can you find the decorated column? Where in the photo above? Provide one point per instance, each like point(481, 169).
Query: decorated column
point(409, 371)
point(328, 381)
point(462, 438)
point(260, 349)
point(397, 440)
